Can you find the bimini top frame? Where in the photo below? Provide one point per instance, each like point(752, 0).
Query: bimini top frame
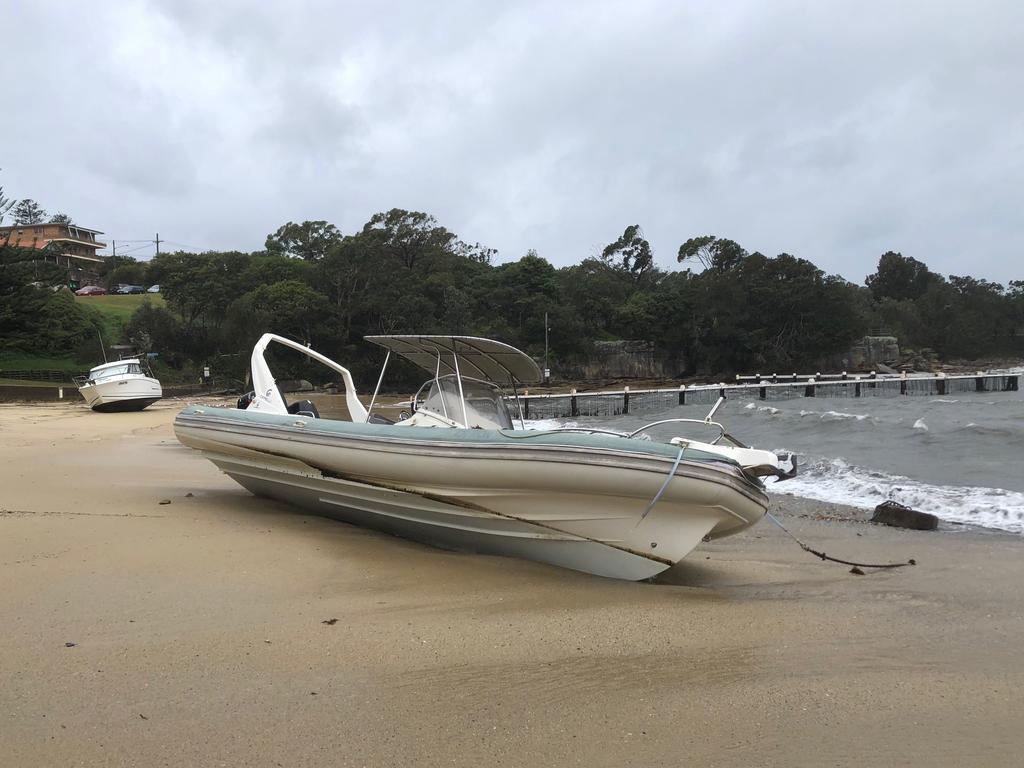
point(460, 356)
point(481, 358)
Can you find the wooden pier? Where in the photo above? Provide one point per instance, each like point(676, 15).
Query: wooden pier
point(573, 404)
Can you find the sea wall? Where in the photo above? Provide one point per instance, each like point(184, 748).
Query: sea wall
point(28, 393)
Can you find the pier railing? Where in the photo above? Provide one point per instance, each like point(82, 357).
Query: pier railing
point(624, 401)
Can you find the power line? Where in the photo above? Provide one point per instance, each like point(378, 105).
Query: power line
point(136, 249)
point(134, 246)
point(182, 245)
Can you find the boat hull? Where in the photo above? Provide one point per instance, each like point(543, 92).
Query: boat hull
point(124, 394)
point(570, 500)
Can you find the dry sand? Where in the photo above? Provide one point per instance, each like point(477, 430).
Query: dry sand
point(200, 638)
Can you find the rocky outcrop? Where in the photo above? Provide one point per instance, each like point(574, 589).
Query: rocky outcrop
point(872, 350)
point(625, 360)
point(899, 516)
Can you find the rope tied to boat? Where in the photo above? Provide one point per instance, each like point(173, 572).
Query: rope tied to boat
point(823, 556)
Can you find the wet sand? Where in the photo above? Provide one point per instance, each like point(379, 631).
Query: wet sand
point(200, 638)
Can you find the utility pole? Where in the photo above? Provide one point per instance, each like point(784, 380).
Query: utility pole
point(157, 243)
point(114, 245)
point(547, 371)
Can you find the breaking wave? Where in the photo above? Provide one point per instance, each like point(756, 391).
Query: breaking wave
point(839, 482)
point(543, 425)
point(761, 408)
point(839, 415)
point(960, 457)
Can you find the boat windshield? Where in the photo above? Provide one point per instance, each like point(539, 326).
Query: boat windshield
point(485, 407)
point(117, 370)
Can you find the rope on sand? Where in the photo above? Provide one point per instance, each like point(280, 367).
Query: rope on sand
point(823, 556)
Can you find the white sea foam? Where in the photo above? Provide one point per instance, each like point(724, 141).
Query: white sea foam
point(761, 408)
point(841, 415)
point(919, 424)
point(543, 425)
point(839, 482)
point(944, 400)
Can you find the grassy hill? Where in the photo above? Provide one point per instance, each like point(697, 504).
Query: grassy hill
point(120, 308)
point(116, 311)
point(29, 363)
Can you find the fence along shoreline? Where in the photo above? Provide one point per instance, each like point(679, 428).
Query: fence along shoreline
point(624, 401)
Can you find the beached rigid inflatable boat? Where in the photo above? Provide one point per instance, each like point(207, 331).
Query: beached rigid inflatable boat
point(456, 474)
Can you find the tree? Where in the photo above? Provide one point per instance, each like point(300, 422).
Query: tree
point(595, 290)
point(633, 251)
point(309, 240)
point(61, 218)
point(899, 277)
point(347, 272)
point(714, 253)
point(409, 236)
point(29, 212)
point(5, 205)
point(200, 287)
point(34, 318)
point(153, 328)
point(125, 269)
point(476, 252)
point(290, 308)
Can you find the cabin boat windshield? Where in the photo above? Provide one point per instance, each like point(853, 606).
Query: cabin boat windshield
point(127, 369)
point(485, 406)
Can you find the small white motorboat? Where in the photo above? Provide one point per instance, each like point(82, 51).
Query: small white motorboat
point(454, 472)
point(122, 385)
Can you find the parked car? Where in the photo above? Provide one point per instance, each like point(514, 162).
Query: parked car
point(153, 289)
point(91, 290)
point(126, 289)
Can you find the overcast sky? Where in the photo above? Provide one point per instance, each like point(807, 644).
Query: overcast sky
point(830, 130)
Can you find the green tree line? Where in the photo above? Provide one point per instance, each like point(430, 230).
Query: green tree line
point(724, 309)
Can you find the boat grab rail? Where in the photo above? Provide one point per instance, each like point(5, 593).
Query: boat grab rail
point(529, 433)
point(722, 434)
point(630, 435)
point(701, 422)
point(583, 430)
point(705, 422)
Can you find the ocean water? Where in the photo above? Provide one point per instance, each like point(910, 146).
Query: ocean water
point(958, 457)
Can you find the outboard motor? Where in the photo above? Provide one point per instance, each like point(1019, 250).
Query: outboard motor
point(304, 408)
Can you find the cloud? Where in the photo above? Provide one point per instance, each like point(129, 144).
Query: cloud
point(831, 131)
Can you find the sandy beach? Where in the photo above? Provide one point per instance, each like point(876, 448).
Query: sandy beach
point(222, 629)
